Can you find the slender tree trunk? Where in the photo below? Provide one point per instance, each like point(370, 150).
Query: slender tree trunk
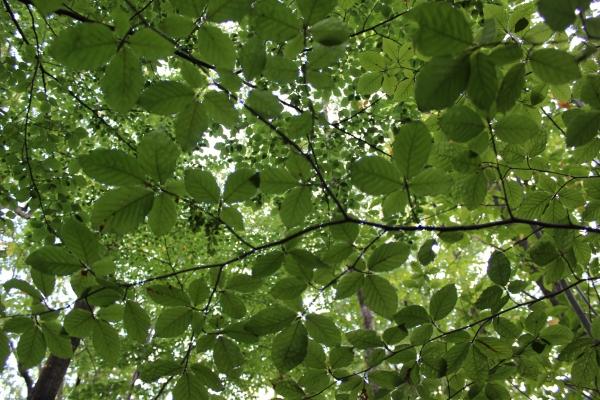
point(367, 316)
point(54, 370)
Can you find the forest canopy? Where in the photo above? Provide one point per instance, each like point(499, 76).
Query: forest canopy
point(299, 199)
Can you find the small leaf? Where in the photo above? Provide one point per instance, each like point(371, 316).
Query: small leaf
point(442, 302)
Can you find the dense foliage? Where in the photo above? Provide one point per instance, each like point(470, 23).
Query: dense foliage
point(392, 199)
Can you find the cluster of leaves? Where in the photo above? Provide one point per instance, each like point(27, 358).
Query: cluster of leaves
point(399, 199)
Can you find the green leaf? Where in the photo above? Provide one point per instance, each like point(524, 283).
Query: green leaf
point(590, 90)
point(554, 66)
point(58, 342)
point(190, 386)
point(31, 347)
point(288, 288)
point(150, 45)
point(220, 108)
point(4, 350)
point(289, 347)
point(122, 210)
point(24, 287)
point(270, 320)
point(490, 298)
point(443, 29)
point(315, 10)
point(411, 316)
point(84, 46)
point(388, 257)
point(364, 339)
point(379, 295)
point(166, 97)
point(369, 83)
point(157, 155)
point(79, 323)
point(274, 180)
point(412, 146)
point(461, 124)
point(516, 128)
point(240, 185)
point(253, 58)
point(483, 81)
point(163, 214)
point(582, 128)
point(440, 82)
point(168, 295)
point(557, 334)
point(190, 124)
point(275, 21)
point(430, 182)
point(81, 241)
point(227, 356)
point(330, 31)
point(136, 321)
point(321, 328)
point(264, 103)
point(216, 47)
point(173, 322)
point(442, 302)
point(511, 87)
point(426, 254)
point(498, 268)
point(558, 14)
point(202, 186)
point(421, 335)
point(150, 371)
point(297, 204)
point(375, 175)
point(53, 260)
point(267, 264)
point(112, 167)
point(106, 342)
point(123, 81)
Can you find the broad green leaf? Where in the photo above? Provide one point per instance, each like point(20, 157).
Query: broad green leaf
point(442, 302)
point(240, 185)
point(79, 323)
point(190, 386)
point(168, 295)
point(106, 341)
point(330, 31)
point(557, 334)
point(490, 298)
point(275, 180)
point(81, 241)
point(558, 14)
point(270, 320)
point(112, 167)
point(215, 47)
point(443, 29)
point(297, 204)
point(163, 215)
point(288, 288)
point(483, 81)
point(511, 87)
point(173, 321)
point(227, 356)
point(584, 127)
point(54, 260)
point(412, 146)
point(190, 124)
point(252, 58)
point(44, 282)
point(590, 90)
point(375, 175)
point(275, 21)
point(123, 81)
point(198, 291)
point(516, 128)
point(150, 45)
point(421, 335)
point(388, 257)
point(340, 357)
point(289, 347)
point(379, 295)
point(461, 124)
point(232, 217)
point(232, 304)
point(150, 371)
point(498, 269)
point(554, 66)
point(430, 182)
point(202, 185)
point(122, 210)
point(157, 155)
point(267, 264)
point(426, 254)
point(219, 108)
point(321, 328)
point(24, 287)
point(264, 103)
point(369, 83)
point(226, 10)
point(166, 97)
point(84, 46)
point(4, 350)
point(31, 347)
point(58, 342)
point(315, 10)
point(440, 82)
point(411, 316)
point(364, 339)
point(136, 321)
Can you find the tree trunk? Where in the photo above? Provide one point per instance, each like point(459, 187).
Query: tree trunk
point(54, 370)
